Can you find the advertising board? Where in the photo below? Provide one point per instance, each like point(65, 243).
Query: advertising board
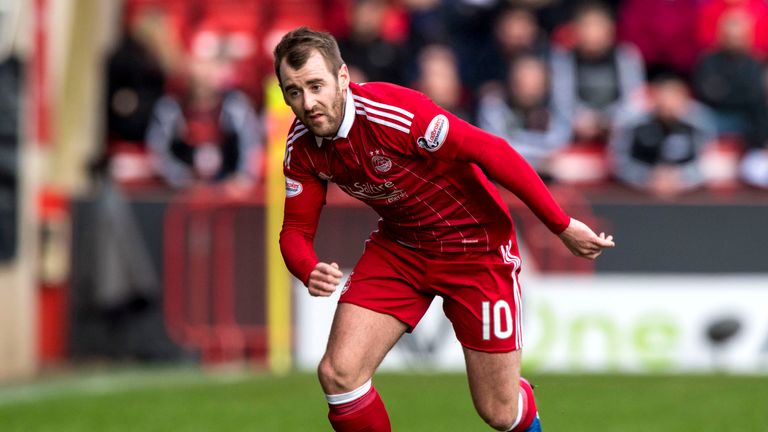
point(636, 324)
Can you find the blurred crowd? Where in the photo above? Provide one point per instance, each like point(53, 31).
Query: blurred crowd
point(666, 96)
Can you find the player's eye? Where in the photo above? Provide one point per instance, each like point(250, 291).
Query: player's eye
point(315, 88)
point(294, 94)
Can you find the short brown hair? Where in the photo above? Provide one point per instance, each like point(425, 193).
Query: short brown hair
point(297, 45)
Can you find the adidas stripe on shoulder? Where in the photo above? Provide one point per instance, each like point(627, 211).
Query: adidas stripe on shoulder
point(384, 114)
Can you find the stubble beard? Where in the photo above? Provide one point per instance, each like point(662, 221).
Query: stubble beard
point(333, 118)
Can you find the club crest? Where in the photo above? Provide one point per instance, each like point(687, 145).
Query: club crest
point(382, 164)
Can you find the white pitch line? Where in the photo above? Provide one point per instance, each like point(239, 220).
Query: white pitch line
point(109, 383)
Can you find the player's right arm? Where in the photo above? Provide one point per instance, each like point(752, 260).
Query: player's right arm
point(304, 199)
point(324, 279)
point(302, 212)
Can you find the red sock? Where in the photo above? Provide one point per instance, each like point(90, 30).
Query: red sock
point(528, 413)
point(364, 413)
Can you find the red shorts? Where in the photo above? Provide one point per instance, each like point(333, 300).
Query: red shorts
point(480, 290)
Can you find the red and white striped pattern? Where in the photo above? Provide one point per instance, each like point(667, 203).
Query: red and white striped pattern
point(383, 114)
point(465, 240)
point(298, 130)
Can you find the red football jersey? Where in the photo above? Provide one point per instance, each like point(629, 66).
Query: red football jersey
point(418, 166)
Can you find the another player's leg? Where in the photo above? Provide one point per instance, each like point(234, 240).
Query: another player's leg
point(359, 340)
point(502, 398)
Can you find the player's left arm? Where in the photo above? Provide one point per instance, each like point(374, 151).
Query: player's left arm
point(503, 164)
point(442, 135)
point(583, 242)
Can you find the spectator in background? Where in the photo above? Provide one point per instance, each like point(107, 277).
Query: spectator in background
point(484, 55)
point(728, 79)
point(550, 14)
point(210, 134)
point(470, 24)
point(368, 55)
point(753, 12)
point(136, 79)
point(658, 148)
point(516, 33)
point(596, 77)
point(439, 79)
point(754, 166)
point(425, 25)
point(525, 114)
point(554, 15)
point(664, 31)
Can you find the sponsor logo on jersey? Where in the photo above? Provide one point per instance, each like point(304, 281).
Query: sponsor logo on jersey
point(436, 133)
point(382, 164)
point(369, 191)
point(396, 195)
point(292, 188)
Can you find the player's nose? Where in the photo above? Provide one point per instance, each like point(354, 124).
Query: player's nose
point(309, 102)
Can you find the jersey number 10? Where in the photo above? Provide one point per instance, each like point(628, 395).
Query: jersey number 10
point(502, 320)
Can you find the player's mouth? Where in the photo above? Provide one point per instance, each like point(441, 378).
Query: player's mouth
point(314, 118)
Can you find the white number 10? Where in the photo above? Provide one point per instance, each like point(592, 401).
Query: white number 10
point(500, 308)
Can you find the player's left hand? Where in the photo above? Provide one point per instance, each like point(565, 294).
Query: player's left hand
point(583, 242)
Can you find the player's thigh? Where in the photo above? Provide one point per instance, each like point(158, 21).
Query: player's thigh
point(359, 340)
point(483, 301)
point(494, 381)
point(377, 305)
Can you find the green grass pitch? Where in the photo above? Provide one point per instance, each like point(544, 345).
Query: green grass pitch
point(188, 400)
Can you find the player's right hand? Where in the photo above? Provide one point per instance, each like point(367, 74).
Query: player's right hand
point(324, 279)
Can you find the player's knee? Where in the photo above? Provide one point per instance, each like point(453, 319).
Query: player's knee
point(500, 422)
point(335, 378)
point(500, 416)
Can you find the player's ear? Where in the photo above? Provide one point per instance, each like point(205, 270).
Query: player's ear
point(344, 77)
